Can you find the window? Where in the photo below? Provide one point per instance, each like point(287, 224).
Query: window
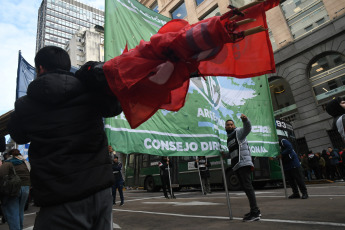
point(198, 2)
point(325, 63)
point(214, 12)
point(239, 3)
point(304, 12)
point(180, 12)
point(327, 75)
point(154, 7)
point(282, 99)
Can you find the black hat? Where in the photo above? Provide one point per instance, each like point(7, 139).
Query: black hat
point(334, 109)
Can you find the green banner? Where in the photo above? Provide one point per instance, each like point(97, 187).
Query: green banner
point(198, 128)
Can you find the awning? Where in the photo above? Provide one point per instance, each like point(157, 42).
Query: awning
point(4, 119)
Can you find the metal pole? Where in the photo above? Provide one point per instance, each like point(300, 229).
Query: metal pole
point(202, 187)
point(226, 188)
point(171, 193)
point(283, 175)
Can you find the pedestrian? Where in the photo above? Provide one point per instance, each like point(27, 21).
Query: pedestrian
point(112, 153)
point(118, 181)
point(13, 206)
point(292, 170)
point(203, 166)
point(322, 165)
point(314, 164)
point(305, 166)
point(165, 167)
point(61, 116)
point(327, 170)
point(241, 162)
point(334, 163)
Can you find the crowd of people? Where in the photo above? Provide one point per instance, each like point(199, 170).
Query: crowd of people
point(329, 164)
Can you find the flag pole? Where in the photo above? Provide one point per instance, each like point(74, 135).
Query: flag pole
point(226, 188)
point(202, 187)
point(171, 193)
point(283, 175)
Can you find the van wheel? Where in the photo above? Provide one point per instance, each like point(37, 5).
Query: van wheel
point(150, 184)
point(232, 181)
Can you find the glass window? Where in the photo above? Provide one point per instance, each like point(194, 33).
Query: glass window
point(154, 7)
point(304, 15)
point(326, 63)
point(239, 3)
point(198, 2)
point(180, 12)
point(281, 94)
point(214, 12)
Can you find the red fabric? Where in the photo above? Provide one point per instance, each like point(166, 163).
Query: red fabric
point(202, 47)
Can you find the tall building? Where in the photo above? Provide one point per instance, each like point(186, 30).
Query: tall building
point(58, 20)
point(86, 45)
point(308, 39)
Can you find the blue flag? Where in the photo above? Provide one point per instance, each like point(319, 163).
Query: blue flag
point(26, 74)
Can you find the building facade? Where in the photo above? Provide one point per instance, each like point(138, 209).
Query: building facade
point(58, 20)
point(86, 45)
point(308, 39)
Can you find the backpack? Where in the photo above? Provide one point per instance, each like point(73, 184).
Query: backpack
point(11, 183)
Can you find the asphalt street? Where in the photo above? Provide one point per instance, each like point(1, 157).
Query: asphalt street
point(325, 209)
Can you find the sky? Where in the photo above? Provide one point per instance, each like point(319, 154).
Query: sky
point(18, 28)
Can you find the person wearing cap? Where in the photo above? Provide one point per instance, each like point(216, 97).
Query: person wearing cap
point(336, 108)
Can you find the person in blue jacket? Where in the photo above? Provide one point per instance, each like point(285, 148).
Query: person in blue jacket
point(293, 170)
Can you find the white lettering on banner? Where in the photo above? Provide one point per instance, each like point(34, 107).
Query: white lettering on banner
point(258, 149)
point(209, 114)
point(261, 129)
point(180, 146)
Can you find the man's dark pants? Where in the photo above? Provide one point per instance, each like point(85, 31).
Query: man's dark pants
point(244, 175)
point(295, 178)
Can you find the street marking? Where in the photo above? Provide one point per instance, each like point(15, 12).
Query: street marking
point(116, 226)
point(193, 203)
point(236, 218)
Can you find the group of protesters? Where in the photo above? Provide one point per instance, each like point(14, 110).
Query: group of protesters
point(329, 164)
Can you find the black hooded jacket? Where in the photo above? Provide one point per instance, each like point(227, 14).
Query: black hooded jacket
point(68, 150)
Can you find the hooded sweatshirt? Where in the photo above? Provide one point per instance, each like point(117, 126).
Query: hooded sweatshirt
point(69, 149)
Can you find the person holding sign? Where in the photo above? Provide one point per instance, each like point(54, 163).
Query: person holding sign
point(241, 162)
point(203, 166)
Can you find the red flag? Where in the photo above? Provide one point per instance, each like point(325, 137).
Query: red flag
point(155, 75)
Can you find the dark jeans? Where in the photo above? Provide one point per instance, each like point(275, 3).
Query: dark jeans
point(93, 212)
point(119, 186)
point(295, 178)
point(166, 185)
point(244, 175)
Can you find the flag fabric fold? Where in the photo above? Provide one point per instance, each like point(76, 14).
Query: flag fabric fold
point(155, 74)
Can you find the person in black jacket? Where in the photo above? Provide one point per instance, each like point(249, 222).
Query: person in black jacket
point(118, 180)
point(61, 116)
point(203, 166)
point(165, 167)
point(2, 144)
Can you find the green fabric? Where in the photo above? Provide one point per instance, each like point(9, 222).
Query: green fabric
point(198, 128)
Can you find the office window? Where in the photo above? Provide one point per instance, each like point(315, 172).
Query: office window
point(154, 7)
point(304, 15)
point(214, 12)
point(239, 3)
point(198, 2)
point(325, 63)
point(180, 12)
